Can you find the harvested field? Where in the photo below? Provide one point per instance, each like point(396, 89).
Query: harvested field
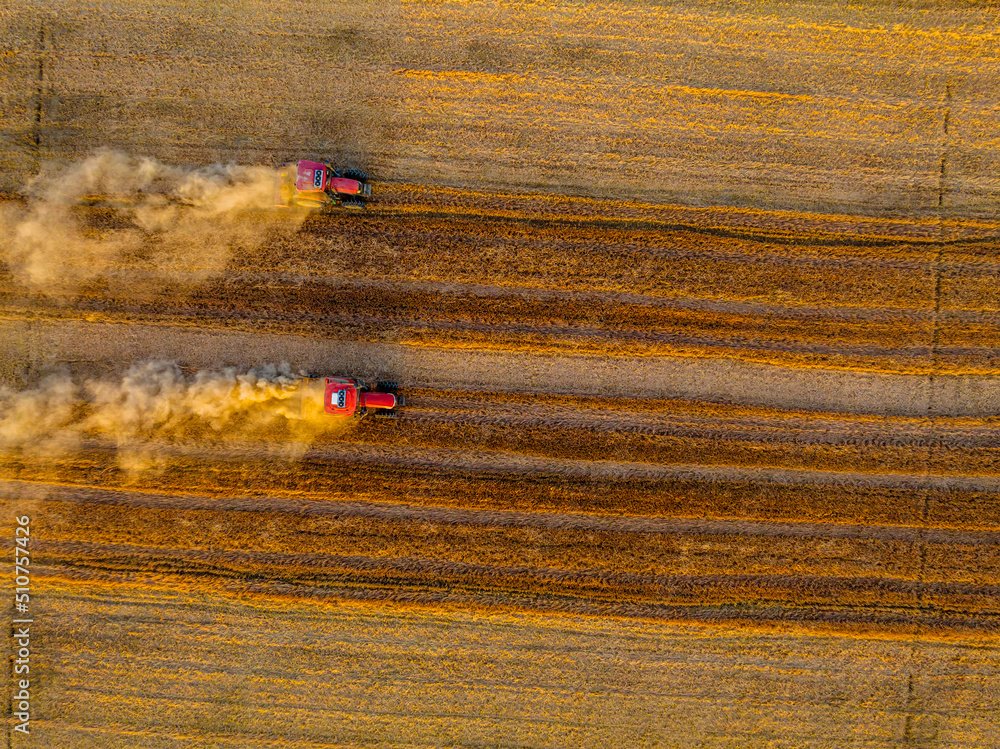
point(514, 279)
point(695, 312)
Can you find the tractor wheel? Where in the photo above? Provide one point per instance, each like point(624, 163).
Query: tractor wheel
point(352, 203)
point(386, 415)
point(387, 387)
point(358, 174)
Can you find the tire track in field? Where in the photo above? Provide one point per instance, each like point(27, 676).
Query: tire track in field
point(510, 334)
point(742, 307)
point(678, 303)
point(692, 420)
point(514, 464)
point(344, 281)
point(464, 460)
point(577, 235)
point(674, 309)
point(821, 229)
point(534, 335)
point(886, 619)
point(645, 525)
point(853, 598)
point(113, 348)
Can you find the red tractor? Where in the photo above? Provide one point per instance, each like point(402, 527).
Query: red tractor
point(312, 184)
point(344, 397)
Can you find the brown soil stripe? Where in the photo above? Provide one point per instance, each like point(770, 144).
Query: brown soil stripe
point(492, 518)
point(975, 603)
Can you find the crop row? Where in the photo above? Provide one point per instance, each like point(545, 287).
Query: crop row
point(452, 485)
point(491, 541)
point(789, 591)
point(595, 285)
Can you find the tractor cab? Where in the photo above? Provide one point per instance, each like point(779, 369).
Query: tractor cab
point(341, 397)
point(312, 176)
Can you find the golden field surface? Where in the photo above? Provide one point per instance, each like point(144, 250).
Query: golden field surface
point(695, 310)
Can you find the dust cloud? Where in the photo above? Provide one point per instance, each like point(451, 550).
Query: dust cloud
point(172, 222)
point(155, 405)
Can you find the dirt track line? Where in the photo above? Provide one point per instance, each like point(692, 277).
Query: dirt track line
point(493, 518)
point(115, 346)
point(791, 248)
point(402, 572)
point(791, 251)
point(501, 462)
point(504, 463)
point(519, 337)
point(768, 431)
point(798, 430)
point(779, 227)
point(592, 335)
point(680, 411)
point(933, 625)
point(734, 306)
point(851, 228)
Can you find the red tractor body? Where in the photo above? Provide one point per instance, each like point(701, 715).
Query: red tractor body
point(313, 184)
point(344, 397)
point(310, 176)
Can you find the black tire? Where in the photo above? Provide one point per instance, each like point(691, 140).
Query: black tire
point(353, 203)
point(358, 174)
point(386, 415)
point(387, 387)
